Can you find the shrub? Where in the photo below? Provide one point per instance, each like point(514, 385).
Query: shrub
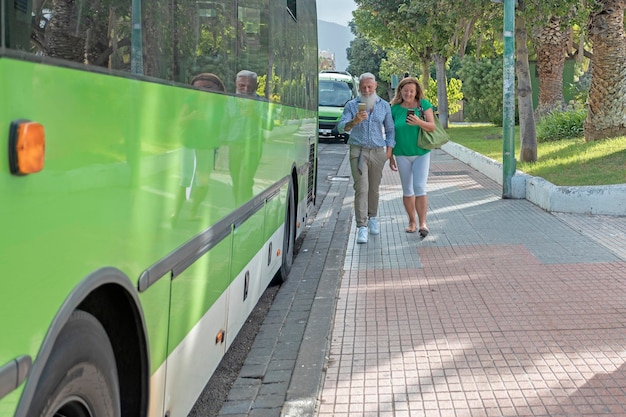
point(453, 92)
point(482, 89)
point(561, 125)
point(579, 89)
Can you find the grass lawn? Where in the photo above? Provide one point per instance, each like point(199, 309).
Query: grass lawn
point(569, 162)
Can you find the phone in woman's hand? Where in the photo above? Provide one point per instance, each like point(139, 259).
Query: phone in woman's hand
point(409, 112)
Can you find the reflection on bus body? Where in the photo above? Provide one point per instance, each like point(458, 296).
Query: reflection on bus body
point(201, 139)
point(245, 137)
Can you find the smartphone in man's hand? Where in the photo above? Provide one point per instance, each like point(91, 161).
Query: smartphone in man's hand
point(361, 106)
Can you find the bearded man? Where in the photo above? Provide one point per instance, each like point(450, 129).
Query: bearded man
point(372, 138)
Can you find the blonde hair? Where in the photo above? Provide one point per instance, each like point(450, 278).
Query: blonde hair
point(419, 93)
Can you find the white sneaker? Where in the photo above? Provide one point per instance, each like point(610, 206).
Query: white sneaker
point(373, 226)
point(361, 236)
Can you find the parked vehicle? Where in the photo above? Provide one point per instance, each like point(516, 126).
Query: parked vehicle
point(336, 88)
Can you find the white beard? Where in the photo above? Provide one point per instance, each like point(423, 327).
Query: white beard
point(369, 101)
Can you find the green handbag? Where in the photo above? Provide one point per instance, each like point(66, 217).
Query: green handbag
point(432, 140)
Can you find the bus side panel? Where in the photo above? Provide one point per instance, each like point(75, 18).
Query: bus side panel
point(112, 172)
point(80, 213)
point(248, 258)
point(197, 345)
point(274, 229)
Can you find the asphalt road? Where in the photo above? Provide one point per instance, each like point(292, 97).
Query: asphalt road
point(330, 157)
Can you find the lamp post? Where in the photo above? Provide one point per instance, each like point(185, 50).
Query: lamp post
point(508, 99)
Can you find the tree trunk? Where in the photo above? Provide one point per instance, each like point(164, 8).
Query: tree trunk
point(157, 21)
point(551, 45)
point(425, 74)
point(469, 27)
point(606, 115)
point(442, 89)
point(97, 40)
point(528, 142)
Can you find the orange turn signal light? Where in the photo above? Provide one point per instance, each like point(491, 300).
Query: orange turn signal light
point(27, 146)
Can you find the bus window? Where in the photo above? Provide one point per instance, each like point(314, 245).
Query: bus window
point(213, 40)
point(177, 51)
point(253, 39)
point(17, 25)
point(88, 33)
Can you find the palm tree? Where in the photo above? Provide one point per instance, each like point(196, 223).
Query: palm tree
point(606, 116)
point(62, 38)
point(551, 45)
point(90, 32)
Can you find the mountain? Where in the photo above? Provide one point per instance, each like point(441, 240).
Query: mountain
point(336, 39)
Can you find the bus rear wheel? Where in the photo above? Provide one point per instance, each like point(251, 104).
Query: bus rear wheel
point(80, 377)
point(289, 238)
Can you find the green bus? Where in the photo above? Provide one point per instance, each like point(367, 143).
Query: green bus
point(159, 165)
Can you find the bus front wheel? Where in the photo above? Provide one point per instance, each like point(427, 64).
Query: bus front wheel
point(80, 378)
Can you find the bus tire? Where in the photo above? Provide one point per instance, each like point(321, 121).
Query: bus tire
point(80, 377)
point(289, 237)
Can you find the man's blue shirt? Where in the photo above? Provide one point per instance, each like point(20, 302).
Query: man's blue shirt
point(375, 132)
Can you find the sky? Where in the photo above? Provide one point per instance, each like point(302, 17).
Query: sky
point(336, 11)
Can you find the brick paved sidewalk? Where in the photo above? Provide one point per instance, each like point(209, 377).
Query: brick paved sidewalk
point(503, 310)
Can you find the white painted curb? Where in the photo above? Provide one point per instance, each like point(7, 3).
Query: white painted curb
point(605, 200)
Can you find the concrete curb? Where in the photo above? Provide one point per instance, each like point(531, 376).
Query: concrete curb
point(331, 231)
point(605, 200)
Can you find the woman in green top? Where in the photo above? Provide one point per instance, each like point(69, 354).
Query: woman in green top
point(410, 160)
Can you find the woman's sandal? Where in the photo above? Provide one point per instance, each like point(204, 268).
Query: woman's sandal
point(411, 229)
point(423, 231)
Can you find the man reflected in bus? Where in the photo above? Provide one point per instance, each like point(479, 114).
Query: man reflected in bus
point(246, 137)
point(200, 143)
point(247, 83)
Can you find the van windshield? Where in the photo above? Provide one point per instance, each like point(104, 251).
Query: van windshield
point(334, 93)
